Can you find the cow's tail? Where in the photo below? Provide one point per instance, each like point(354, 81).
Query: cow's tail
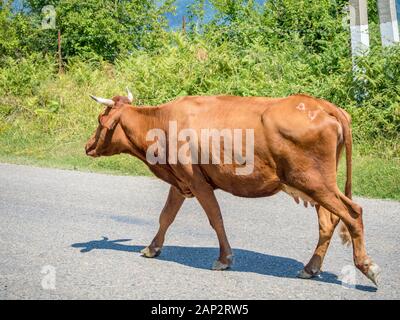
point(348, 144)
point(345, 121)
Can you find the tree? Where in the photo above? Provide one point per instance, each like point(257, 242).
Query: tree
point(102, 28)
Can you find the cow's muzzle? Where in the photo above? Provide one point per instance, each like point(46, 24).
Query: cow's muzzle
point(90, 150)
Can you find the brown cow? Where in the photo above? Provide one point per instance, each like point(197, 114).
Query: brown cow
point(298, 141)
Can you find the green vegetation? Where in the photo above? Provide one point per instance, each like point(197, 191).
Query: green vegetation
point(281, 48)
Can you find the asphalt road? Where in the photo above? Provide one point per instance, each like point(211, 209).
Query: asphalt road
point(74, 235)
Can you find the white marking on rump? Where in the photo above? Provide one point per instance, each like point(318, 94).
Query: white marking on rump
point(312, 114)
point(296, 194)
point(301, 107)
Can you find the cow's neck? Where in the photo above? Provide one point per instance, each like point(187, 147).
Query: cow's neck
point(136, 122)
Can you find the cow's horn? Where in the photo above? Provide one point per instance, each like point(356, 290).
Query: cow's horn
point(130, 95)
point(106, 102)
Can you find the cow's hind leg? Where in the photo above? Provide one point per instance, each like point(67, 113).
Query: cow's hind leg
point(167, 216)
point(351, 215)
point(327, 223)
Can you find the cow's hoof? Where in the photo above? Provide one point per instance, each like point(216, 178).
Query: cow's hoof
point(303, 274)
point(373, 273)
point(150, 252)
point(219, 266)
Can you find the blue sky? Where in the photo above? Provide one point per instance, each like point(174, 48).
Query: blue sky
point(181, 10)
point(398, 9)
point(175, 20)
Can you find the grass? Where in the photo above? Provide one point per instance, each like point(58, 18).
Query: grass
point(72, 157)
point(374, 177)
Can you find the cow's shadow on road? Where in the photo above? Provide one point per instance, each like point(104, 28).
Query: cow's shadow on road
point(202, 257)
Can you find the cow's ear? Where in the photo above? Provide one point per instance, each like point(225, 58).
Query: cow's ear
point(112, 120)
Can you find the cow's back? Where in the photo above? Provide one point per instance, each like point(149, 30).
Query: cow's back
point(283, 129)
point(198, 112)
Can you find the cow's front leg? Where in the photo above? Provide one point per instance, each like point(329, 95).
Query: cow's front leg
point(327, 223)
point(167, 216)
point(206, 197)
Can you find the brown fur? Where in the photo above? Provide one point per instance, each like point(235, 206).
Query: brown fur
point(298, 142)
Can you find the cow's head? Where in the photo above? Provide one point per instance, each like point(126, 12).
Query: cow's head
point(109, 137)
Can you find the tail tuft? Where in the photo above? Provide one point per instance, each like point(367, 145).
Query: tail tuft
point(344, 234)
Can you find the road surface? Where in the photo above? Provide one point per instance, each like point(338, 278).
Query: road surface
point(75, 235)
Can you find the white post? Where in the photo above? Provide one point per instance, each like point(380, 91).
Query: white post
point(388, 22)
point(359, 27)
point(359, 44)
